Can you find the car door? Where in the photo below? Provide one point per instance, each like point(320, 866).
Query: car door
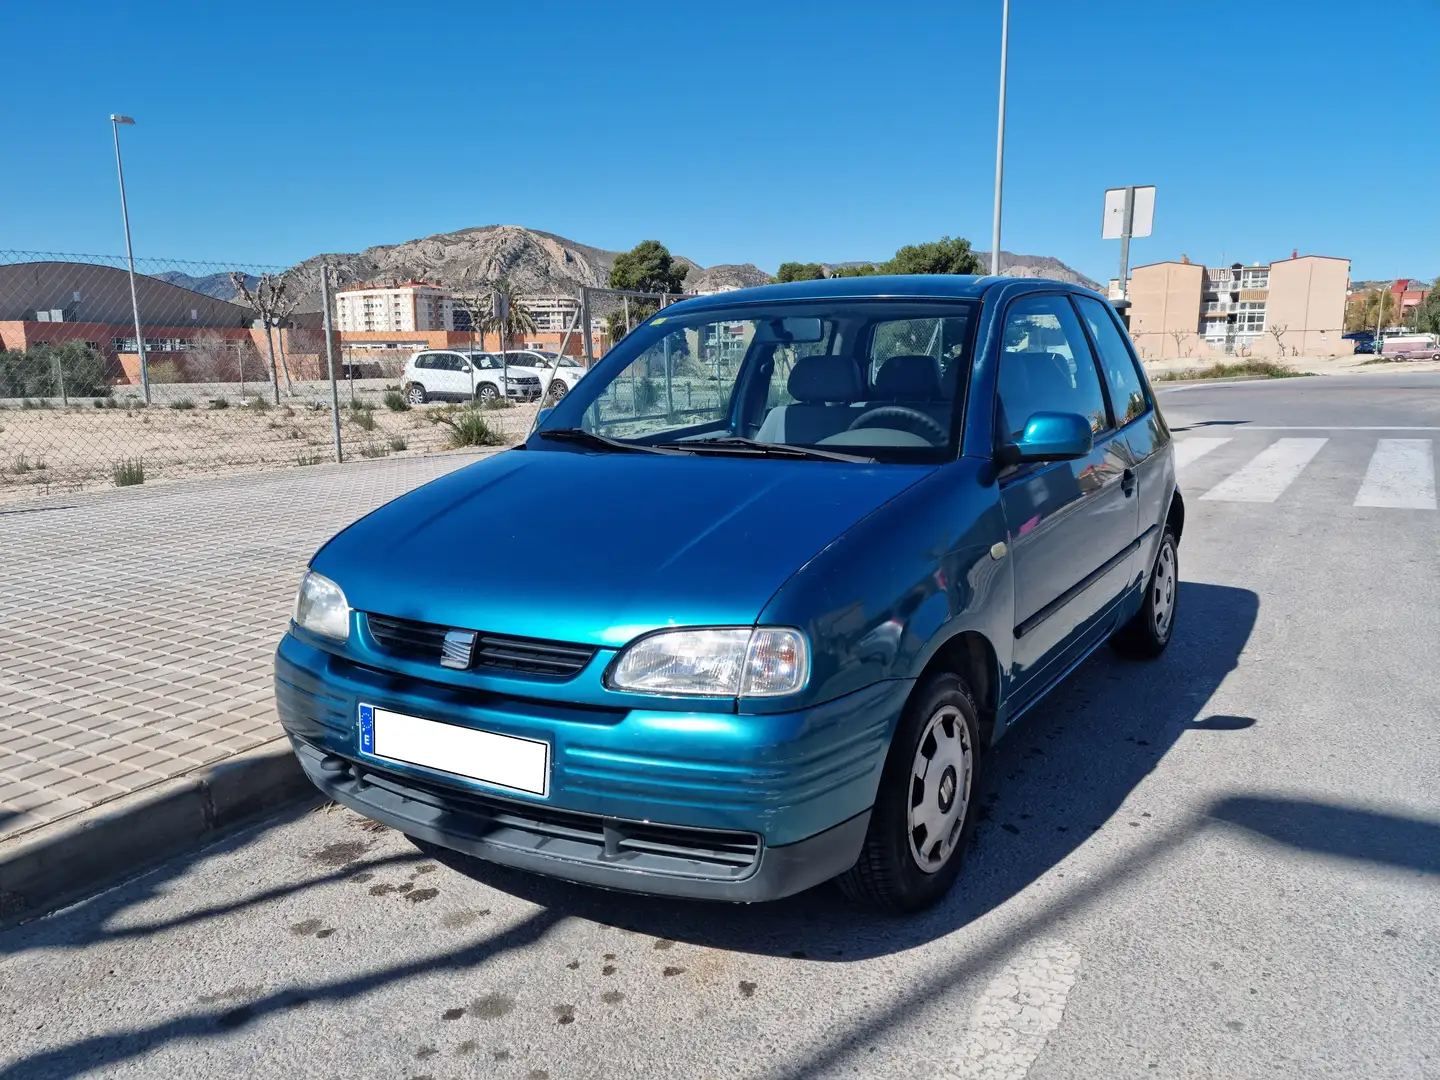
point(454, 376)
point(1147, 438)
point(1071, 524)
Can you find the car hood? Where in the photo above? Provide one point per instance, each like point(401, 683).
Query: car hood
point(600, 547)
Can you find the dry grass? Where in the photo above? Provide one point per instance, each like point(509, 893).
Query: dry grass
point(79, 446)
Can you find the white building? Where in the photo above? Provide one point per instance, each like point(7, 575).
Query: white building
point(405, 305)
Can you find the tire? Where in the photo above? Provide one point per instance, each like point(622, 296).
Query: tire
point(485, 393)
point(415, 394)
point(900, 867)
point(558, 389)
point(1145, 636)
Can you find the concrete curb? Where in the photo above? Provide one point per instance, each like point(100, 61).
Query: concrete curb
point(67, 860)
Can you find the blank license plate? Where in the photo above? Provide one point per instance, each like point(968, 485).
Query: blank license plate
point(501, 760)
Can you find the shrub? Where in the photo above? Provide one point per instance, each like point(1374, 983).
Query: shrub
point(469, 428)
point(22, 466)
point(165, 371)
point(105, 403)
point(395, 401)
point(498, 402)
point(373, 450)
point(363, 418)
point(397, 442)
point(128, 472)
point(259, 404)
point(183, 403)
point(39, 372)
point(309, 459)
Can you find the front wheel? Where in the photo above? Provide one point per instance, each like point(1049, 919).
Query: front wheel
point(486, 394)
point(558, 390)
point(1148, 632)
point(925, 810)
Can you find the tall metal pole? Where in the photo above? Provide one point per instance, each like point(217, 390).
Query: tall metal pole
point(1127, 225)
point(1000, 140)
point(115, 121)
point(330, 360)
point(585, 327)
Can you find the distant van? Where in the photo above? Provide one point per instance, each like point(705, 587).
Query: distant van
point(1410, 347)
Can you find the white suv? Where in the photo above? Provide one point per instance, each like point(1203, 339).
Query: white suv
point(463, 374)
point(557, 374)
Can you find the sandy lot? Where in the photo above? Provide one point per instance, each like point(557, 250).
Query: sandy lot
point(46, 451)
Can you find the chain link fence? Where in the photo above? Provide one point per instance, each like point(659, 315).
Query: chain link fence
point(104, 383)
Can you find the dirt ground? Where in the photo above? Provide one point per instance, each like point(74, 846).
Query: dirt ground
point(55, 450)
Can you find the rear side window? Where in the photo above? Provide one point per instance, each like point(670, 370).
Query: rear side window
point(425, 360)
point(1127, 392)
point(1046, 366)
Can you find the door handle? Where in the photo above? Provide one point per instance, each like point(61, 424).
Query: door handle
point(1127, 482)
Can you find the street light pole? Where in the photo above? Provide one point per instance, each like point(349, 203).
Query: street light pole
point(1000, 139)
point(115, 121)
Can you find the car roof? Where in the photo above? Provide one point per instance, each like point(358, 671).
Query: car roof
point(899, 286)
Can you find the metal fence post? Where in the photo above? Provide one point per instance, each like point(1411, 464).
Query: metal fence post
point(330, 360)
point(585, 327)
point(60, 377)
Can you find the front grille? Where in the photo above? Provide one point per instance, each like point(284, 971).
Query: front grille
point(574, 836)
point(426, 641)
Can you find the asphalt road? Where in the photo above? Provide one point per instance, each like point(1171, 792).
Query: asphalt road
point(1222, 864)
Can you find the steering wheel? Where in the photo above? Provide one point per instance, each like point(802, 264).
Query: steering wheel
point(911, 420)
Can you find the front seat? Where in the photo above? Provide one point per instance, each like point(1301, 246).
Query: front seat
point(914, 382)
point(826, 389)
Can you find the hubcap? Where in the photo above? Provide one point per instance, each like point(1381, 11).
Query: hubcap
point(557, 390)
point(417, 396)
point(940, 789)
point(1162, 590)
point(487, 393)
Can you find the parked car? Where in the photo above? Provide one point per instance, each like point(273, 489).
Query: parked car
point(1411, 347)
point(558, 374)
point(807, 611)
point(463, 374)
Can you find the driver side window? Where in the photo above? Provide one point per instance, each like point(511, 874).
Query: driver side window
point(1046, 366)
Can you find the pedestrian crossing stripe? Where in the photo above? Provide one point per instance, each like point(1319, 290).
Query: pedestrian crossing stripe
point(1400, 474)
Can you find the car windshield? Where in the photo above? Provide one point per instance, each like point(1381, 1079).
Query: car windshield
point(874, 378)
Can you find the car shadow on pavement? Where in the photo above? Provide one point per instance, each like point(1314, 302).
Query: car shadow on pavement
point(1057, 778)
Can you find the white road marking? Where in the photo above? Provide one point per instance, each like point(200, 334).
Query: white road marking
point(1019, 1010)
point(1193, 448)
point(1268, 473)
point(1401, 475)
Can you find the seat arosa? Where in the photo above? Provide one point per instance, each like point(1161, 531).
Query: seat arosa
point(796, 558)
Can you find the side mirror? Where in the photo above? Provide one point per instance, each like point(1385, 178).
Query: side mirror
point(541, 416)
point(1050, 436)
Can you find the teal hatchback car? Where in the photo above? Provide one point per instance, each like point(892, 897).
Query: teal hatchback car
point(778, 573)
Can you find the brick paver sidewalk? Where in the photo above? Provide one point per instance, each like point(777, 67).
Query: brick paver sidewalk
point(137, 627)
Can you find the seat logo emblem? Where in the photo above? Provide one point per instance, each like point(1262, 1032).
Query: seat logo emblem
point(459, 645)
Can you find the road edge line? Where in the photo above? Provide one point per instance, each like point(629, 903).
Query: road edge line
point(67, 860)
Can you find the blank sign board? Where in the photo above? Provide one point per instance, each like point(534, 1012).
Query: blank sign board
point(1143, 214)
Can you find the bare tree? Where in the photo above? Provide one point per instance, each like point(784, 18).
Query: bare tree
point(1277, 331)
point(271, 306)
point(1181, 337)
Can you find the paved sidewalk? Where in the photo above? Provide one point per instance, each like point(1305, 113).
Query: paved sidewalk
point(137, 627)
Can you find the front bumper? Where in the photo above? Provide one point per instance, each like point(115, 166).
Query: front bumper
point(609, 852)
point(707, 805)
point(522, 393)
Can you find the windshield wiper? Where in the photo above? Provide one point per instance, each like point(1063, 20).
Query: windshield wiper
point(600, 442)
point(737, 444)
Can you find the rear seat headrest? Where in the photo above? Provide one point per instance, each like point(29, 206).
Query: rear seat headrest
point(909, 378)
point(818, 379)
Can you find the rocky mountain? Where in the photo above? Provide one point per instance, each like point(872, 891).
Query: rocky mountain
point(217, 285)
point(537, 262)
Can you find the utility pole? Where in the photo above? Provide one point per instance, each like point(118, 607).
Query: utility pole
point(115, 121)
point(330, 360)
point(1000, 140)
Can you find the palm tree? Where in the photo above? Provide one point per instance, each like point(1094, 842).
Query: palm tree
point(510, 319)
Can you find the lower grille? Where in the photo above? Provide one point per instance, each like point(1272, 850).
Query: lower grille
point(426, 641)
point(573, 836)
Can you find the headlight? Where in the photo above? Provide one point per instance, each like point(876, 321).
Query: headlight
point(321, 608)
point(764, 662)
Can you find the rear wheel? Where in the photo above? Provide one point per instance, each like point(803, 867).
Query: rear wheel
point(1148, 632)
point(415, 394)
point(924, 813)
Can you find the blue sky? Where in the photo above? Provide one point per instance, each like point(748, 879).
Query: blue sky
point(743, 132)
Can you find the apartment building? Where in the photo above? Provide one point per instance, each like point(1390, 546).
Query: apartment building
point(402, 306)
point(1292, 306)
